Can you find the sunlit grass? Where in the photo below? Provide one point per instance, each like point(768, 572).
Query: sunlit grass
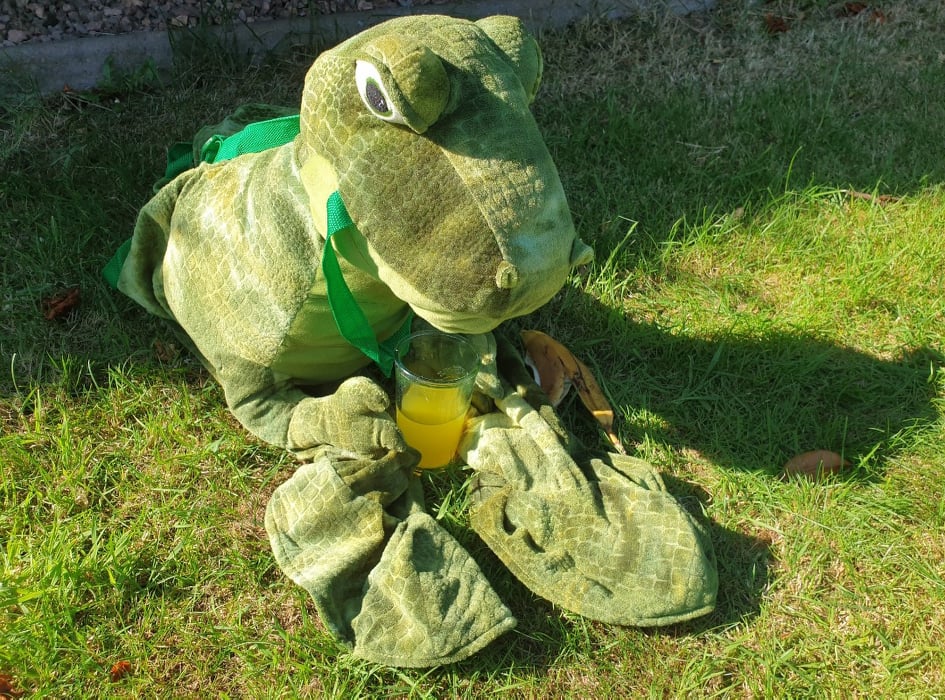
point(767, 212)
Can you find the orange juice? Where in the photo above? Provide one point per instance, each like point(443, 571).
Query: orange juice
point(431, 419)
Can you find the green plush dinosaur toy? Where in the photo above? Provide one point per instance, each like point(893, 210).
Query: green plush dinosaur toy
point(418, 159)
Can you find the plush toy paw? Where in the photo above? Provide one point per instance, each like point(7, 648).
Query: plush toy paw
point(595, 534)
point(390, 583)
point(487, 381)
point(354, 419)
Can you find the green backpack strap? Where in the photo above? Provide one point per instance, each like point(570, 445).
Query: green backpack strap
point(260, 136)
point(350, 319)
point(253, 138)
point(180, 157)
point(112, 269)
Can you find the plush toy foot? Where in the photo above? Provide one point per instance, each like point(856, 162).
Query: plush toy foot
point(387, 580)
point(600, 536)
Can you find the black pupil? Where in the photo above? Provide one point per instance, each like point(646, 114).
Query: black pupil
point(375, 98)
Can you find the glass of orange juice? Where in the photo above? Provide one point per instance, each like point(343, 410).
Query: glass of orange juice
point(436, 374)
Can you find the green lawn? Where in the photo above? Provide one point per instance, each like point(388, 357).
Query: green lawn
point(768, 213)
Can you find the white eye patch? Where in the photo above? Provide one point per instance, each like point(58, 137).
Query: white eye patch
point(375, 94)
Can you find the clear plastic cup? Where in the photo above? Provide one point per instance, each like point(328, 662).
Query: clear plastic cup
point(436, 374)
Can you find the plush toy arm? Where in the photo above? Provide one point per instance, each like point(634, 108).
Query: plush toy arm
point(389, 582)
point(353, 419)
point(595, 533)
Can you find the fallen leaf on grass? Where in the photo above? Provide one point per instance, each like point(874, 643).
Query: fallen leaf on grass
point(815, 465)
point(551, 363)
point(60, 304)
point(557, 370)
point(851, 9)
point(7, 689)
point(775, 24)
point(119, 670)
point(166, 351)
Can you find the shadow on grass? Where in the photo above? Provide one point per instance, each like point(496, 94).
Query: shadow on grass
point(741, 403)
point(546, 633)
point(743, 562)
point(751, 403)
point(708, 138)
point(712, 135)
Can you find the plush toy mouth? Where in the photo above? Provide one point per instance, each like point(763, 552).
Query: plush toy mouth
point(458, 323)
point(478, 321)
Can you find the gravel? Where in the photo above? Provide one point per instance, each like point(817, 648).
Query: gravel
point(52, 20)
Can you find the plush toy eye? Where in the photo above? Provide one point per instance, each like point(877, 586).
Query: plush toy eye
point(374, 94)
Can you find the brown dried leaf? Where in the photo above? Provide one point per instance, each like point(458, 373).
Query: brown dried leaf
point(878, 198)
point(851, 9)
point(815, 465)
point(119, 670)
point(775, 24)
point(558, 369)
point(593, 399)
point(553, 363)
point(60, 304)
point(7, 688)
point(166, 351)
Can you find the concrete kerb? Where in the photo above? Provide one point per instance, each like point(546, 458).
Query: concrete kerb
point(80, 64)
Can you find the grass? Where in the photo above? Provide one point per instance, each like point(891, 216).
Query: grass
point(767, 211)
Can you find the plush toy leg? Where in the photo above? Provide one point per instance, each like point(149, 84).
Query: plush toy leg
point(388, 581)
point(597, 535)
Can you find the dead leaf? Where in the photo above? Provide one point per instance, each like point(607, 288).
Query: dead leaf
point(119, 670)
point(775, 24)
point(593, 399)
point(7, 689)
point(166, 351)
point(552, 363)
point(815, 465)
point(851, 9)
point(60, 304)
point(558, 370)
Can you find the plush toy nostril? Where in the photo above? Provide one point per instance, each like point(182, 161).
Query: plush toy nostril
point(507, 276)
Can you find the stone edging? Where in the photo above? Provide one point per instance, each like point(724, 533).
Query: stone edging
point(78, 64)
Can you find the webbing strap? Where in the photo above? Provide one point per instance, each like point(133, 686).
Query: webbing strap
point(259, 136)
point(252, 138)
point(350, 319)
point(180, 157)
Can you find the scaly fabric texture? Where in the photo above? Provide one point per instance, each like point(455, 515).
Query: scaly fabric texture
point(388, 581)
point(595, 533)
point(421, 125)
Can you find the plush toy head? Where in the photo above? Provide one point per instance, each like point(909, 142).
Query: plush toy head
point(422, 124)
